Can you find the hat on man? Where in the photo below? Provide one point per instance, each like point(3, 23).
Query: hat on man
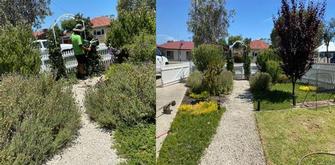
point(78, 28)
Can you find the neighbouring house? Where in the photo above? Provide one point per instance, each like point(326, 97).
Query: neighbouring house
point(41, 34)
point(177, 50)
point(321, 53)
point(257, 46)
point(101, 27)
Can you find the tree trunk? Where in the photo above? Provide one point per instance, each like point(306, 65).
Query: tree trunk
point(293, 92)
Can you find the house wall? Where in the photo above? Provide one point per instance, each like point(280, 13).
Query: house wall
point(178, 55)
point(102, 37)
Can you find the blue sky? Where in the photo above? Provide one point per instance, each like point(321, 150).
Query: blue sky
point(253, 18)
point(88, 7)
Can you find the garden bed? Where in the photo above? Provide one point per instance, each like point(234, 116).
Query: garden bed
point(190, 134)
point(288, 135)
point(279, 97)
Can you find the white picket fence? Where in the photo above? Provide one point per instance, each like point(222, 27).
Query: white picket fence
point(321, 75)
point(71, 62)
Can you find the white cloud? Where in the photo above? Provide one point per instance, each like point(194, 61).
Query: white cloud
point(162, 38)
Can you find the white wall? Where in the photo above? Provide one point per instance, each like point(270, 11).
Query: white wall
point(183, 55)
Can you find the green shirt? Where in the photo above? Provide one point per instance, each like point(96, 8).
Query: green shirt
point(77, 42)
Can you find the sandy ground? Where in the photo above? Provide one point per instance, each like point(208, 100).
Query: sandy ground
point(93, 144)
point(236, 140)
point(163, 122)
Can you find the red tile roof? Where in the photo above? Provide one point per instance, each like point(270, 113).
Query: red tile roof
point(258, 44)
point(101, 21)
point(177, 45)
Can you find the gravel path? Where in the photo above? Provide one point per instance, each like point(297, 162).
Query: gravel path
point(93, 145)
point(236, 140)
point(163, 122)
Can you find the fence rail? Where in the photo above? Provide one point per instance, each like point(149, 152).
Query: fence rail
point(71, 62)
point(174, 73)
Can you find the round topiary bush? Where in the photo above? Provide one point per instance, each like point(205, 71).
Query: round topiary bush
point(38, 116)
point(126, 98)
point(260, 82)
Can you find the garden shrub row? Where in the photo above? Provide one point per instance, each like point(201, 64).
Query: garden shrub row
point(38, 116)
point(126, 101)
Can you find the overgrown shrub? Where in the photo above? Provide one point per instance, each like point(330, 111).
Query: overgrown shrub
point(217, 84)
point(194, 81)
point(274, 69)
point(38, 116)
point(264, 57)
point(206, 55)
point(260, 82)
point(142, 48)
point(17, 51)
point(126, 98)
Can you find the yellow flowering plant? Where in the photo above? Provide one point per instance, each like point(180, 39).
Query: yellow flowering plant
point(200, 108)
point(307, 88)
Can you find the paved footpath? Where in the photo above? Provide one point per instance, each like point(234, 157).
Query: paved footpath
point(93, 144)
point(236, 140)
point(163, 122)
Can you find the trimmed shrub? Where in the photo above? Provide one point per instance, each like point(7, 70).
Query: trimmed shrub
point(230, 62)
point(217, 84)
point(17, 51)
point(274, 69)
point(194, 81)
point(260, 82)
point(38, 116)
point(246, 67)
point(126, 98)
point(206, 56)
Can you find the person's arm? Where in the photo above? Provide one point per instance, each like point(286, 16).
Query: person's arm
point(82, 46)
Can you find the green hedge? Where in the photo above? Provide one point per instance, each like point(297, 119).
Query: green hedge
point(126, 98)
point(38, 116)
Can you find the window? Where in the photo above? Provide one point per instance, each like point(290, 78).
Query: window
point(102, 31)
point(95, 32)
point(99, 33)
point(169, 55)
point(188, 56)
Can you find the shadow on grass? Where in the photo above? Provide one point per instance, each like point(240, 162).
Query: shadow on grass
point(275, 96)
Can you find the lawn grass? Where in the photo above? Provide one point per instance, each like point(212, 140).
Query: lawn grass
point(190, 135)
point(290, 134)
point(279, 97)
point(136, 144)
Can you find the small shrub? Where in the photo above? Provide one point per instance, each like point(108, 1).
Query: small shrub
point(200, 108)
point(282, 78)
point(202, 96)
point(264, 57)
point(194, 81)
point(38, 116)
point(17, 51)
point(126, 98)
point(206, 55)
point(217, 84)
point(260, 82)
point(307, 88)
point(274, 69)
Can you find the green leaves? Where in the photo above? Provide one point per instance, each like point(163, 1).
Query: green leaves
point(17, 51)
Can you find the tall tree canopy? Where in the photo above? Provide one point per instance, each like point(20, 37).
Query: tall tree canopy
point(208, 21)
point(68, 25)
point(297, 27)
point(329, 34)
point(30, 12)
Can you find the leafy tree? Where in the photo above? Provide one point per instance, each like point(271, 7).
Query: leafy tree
point(232, 39)
point(17, 51)
point(328, 35)
point(55, 55)
point(208, 21)
point(142, 49)
point(298, 27)
point(134, 17)
point(68, 25)
point(30, 12)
